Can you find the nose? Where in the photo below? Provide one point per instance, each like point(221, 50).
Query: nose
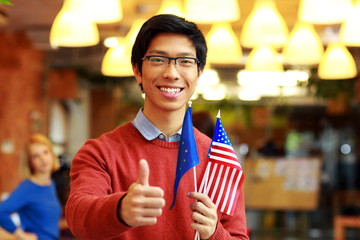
point(171, 71)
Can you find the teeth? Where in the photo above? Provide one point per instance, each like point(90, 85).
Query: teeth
point(170, 90)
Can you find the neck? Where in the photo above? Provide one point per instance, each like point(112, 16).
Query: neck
point(41, 178)
point(167, 122)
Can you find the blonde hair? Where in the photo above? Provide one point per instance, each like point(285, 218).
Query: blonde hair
point(39, 138)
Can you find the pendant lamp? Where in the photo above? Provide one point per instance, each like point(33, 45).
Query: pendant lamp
point(264, 58)
point(264, 25)
point(337, 63)
point(105, 11)
point(73, 27)
point(323, 11)
point(171, 7)
point(132, 34)
point(116, 62)
point(304, 46)
point(223, 45)
point(350, 28)
point(212, 11)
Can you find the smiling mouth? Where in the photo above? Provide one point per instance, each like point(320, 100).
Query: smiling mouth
point(170, 90)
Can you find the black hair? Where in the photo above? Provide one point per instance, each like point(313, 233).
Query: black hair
point(168, 23)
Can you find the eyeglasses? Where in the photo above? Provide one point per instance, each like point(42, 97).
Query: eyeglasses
point(159, 61)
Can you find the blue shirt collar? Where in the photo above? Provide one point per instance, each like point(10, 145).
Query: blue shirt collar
point(149, 131)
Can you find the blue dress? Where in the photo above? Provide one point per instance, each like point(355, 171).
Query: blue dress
point(38, 208)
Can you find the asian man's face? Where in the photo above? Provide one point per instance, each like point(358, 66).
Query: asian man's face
point(167, 86)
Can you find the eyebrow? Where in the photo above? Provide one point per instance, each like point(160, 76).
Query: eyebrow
point(182, 54)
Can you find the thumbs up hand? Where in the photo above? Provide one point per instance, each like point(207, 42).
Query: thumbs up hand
point(143, 203)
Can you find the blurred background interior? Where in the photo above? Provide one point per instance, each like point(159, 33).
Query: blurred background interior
point(284, 74)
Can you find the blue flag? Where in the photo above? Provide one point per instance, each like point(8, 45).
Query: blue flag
point(188, 155)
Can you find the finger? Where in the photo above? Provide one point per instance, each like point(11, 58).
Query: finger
point(199, 218)
point(144, 173)
point(154, 192)
point(201, 209)
point(154, 203)
point(144, 221)
point(202, 198)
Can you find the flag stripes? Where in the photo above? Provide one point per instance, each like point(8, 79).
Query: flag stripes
point(223, 176)
point(222, 185)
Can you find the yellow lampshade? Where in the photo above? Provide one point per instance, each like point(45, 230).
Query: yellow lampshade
point(73, 27)
point(323, 11)
point(350, 28)
point(105, 11)
point(337, 63)
point(171, 7)
point(223, 44)
point(304, 46)
point(263, 58)
point(264, 25)
point(116, 62)
point(212, 11)
point(132, 34)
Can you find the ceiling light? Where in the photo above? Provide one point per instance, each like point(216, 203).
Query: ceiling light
point(215, 93)
point(223, 44)
point(73, 27)
point(264, 25)
point(337, 63)
point(212, 11)
point(264, 58)
point(105, 11)
point(132, 34)
point(112, 42)
point(258, 78)
point(350, 28)
point(268, 79)
point(249, 94)
point(293, 91)
point(304, 46)
point(171, 7)
point(116, 62)
point(323, 11)
point(209, 77)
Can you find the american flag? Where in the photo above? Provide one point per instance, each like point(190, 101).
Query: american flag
point(223, 177)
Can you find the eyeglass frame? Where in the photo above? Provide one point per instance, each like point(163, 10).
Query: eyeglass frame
point(197, 61)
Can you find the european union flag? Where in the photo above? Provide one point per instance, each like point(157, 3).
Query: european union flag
point(188, 155)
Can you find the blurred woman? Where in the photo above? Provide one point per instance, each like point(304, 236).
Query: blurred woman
point(35, 199)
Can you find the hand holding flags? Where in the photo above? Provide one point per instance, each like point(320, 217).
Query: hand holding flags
point(223, 176)
point(188, 154)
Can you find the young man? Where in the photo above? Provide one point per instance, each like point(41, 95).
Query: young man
point(122, 183)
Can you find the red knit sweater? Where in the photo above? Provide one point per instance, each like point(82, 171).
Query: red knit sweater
point(103, 170)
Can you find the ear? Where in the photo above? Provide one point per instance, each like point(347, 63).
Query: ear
point(137, 74)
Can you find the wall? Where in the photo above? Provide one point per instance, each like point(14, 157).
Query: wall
point(23, 103)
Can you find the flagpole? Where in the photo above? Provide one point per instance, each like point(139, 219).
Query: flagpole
point(197, 236)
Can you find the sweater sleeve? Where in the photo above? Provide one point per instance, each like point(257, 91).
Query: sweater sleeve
point(232, 227)
point(91, 210)
point(12, 204)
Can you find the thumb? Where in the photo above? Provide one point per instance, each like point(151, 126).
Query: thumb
point(144, 172)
